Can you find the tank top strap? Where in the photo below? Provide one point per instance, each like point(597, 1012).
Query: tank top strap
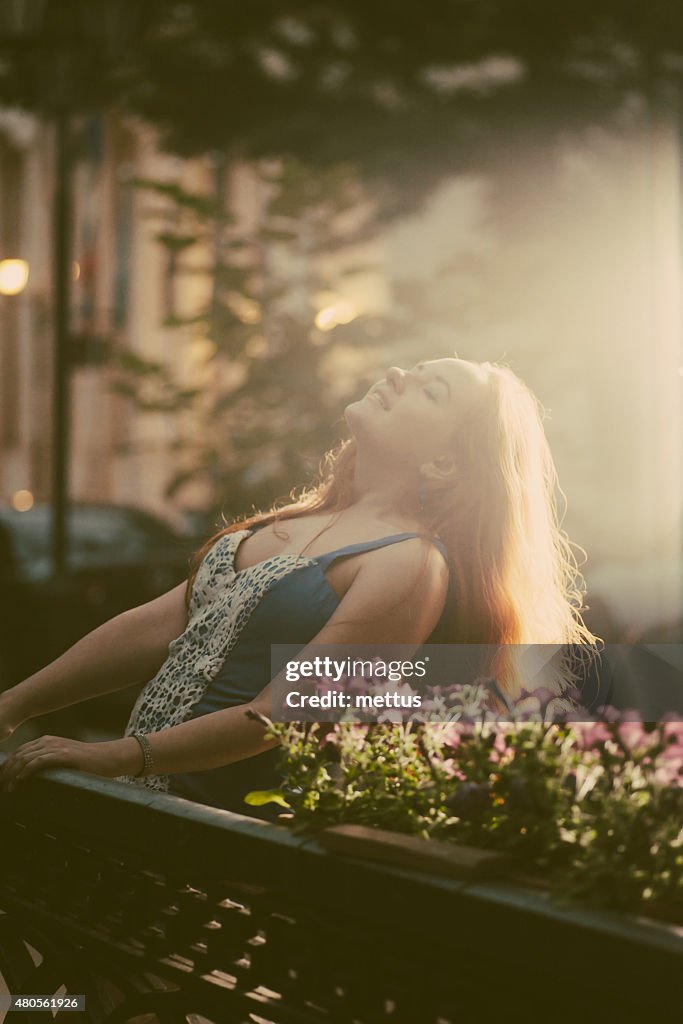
point(441, 546)
point(370, 545)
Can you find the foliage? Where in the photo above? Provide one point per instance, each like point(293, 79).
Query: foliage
point(595, 808)
point(271, 396)
point(400, 98)
point(411, 94)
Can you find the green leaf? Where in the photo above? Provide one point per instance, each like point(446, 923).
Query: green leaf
point(259, 797)
point(201, 205)
point(277, 235)
point(176, 243)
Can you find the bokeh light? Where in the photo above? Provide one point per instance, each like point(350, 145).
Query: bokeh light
point(331, 316)
point(13, 276)
point(22, 501)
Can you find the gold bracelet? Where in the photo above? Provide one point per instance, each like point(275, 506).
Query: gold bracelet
point(147, 758)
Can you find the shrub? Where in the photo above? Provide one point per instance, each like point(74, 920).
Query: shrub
point(595, 808)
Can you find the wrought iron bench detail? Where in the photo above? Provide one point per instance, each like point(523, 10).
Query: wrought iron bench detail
point(158, 909)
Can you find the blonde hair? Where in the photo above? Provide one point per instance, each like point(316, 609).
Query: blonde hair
point(514, 577)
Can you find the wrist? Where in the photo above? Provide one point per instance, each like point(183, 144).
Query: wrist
point(126, 756)
point(13, 709)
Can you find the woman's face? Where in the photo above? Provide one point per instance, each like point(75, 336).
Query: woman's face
point(416, 414)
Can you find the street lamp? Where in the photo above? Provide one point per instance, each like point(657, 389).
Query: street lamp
point(13, 276)
point(22, 26)
point(13, 280)
point(68, 45)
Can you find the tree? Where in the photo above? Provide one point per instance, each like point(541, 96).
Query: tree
point(409, 93)
point(271, 402)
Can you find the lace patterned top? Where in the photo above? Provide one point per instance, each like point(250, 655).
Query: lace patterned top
point(222, 659)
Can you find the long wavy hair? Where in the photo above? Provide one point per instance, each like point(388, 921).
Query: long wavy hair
point(514, 576)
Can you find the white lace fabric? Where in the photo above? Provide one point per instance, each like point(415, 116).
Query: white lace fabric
point(221, 604)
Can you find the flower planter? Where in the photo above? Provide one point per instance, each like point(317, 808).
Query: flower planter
point(453, 860)
point(588, 811)
point(414, 852)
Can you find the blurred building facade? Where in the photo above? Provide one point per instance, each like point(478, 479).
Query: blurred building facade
point(122, 292)
point(571, 274)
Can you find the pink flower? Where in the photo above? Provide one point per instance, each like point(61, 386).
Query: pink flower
point(609, 714)
point(672, 732)
point(453, 735)
point(670, 761)
point(590, 735)
point(669, 772)
point(633, 735)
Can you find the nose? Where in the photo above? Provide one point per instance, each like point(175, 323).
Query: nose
point(396, 377)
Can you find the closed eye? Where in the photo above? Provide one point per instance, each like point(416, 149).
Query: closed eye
point(440, 380)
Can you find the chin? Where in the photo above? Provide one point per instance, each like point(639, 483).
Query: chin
point(363, 421)
point(353, 413)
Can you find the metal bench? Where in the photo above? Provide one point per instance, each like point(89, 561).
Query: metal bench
point(163, 910)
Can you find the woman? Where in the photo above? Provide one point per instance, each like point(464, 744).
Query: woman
point(439, 525)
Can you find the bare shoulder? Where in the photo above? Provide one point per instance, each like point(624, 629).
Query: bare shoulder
point(397, 595)
point(405, 564)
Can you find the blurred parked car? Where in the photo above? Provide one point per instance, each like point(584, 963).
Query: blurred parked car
point(119, 558)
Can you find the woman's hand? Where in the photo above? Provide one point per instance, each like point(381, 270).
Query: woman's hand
point(108, 758)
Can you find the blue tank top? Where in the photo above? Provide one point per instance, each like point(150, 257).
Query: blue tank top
point(292, 611)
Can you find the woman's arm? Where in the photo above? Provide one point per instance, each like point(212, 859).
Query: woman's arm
point(127, 649)
point(395, 599)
